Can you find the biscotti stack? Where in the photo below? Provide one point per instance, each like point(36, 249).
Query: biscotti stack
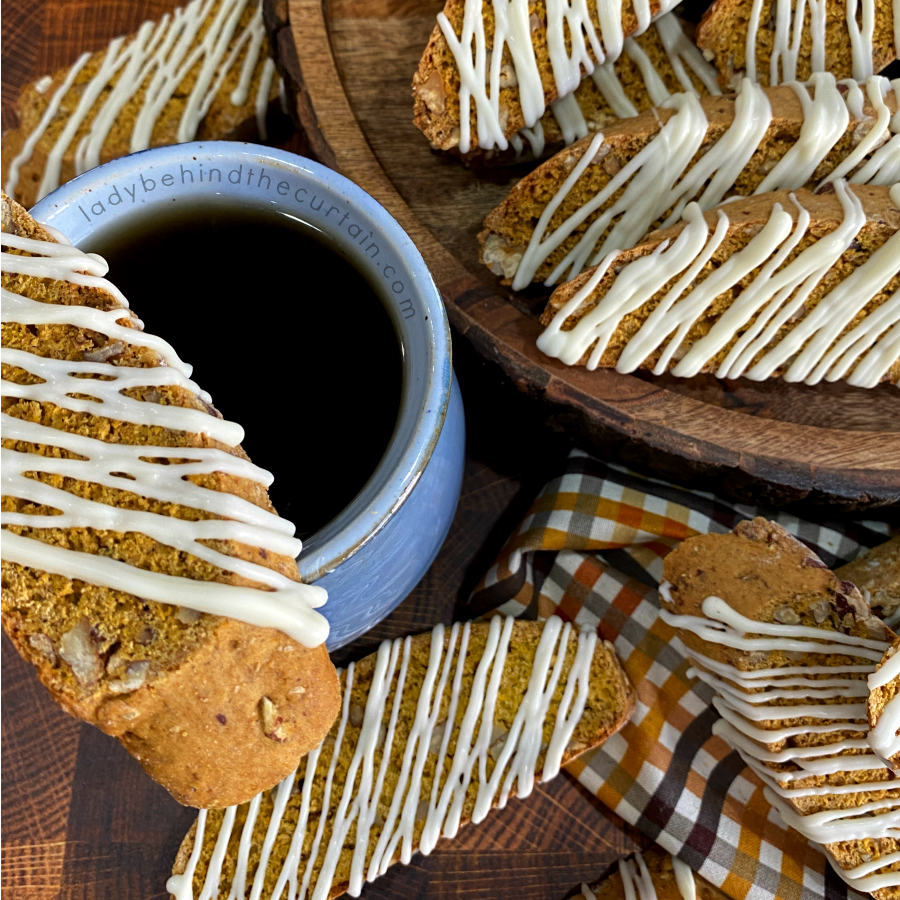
point(798, 285)
point(883, 708)
point(650, 874)
point(788, 648)
point(202, 72)
point(146, 575)
point(434, 731)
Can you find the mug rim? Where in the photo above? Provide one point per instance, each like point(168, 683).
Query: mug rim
point(360, 521)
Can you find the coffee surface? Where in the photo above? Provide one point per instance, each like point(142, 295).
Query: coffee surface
point(288, 337)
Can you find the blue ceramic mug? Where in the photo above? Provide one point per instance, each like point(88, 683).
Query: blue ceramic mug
point(375, 551)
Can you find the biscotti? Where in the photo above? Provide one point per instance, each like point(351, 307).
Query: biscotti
point(606, 192)
point(491, 707)
point(788, 648)
point(653, 65)
point(146, 575)
point(648, 875)
point(202, 72)
point(489, 71)
point(765, 41)
point(877, 574)
point(798, 285)
point(883, 708)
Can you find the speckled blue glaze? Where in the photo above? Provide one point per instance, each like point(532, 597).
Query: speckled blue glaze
point(372, 554)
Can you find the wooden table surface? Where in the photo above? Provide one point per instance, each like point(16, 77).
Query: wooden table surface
point(79, 817)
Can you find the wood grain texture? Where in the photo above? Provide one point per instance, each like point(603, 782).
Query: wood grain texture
point(351, 65)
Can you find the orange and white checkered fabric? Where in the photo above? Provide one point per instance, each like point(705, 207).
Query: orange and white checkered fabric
point(591, 550)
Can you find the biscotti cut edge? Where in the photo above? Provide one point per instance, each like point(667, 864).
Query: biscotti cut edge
point(603, 660)
point(181, 721)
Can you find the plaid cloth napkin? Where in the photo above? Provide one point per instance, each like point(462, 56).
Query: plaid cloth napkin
point(591, 550)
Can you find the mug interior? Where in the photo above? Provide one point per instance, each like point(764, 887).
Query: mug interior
point(360, 229)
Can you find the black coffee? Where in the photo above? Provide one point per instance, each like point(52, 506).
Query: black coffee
point(285, 333)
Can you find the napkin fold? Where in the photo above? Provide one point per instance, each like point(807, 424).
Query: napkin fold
point(591, 550)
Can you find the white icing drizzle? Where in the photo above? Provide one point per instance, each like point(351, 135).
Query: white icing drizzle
point(813, 349)
point(862, 819)
point(789, 31)
point(883, 738)
point(159, 58)
point(682, 54)
point(684, 879)
point(480, 68)
point(355, 799)
point(277, 602)
point(587, 893)
point(661, 178)
point(637, 883)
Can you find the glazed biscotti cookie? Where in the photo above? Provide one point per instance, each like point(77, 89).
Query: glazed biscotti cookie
point(651, 874)
point(490, 70)
point(662, 61)
point(776, 41)
point(788, 648)
point(202, 72)
point(145, 574)
point(798, 285)
point(883, 708)
point(434, 731)
point(877, 574)
point(606, 192)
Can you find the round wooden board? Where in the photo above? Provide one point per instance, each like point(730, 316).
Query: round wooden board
point(350, 64)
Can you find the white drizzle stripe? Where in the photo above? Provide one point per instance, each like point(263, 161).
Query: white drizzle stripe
point(134, 472)
point(661, 178)
point(61, 381)
point(282, 603)
point(812, 350)
point(289, 609)
point(864, 818)
point(682, 55)
point(159, 57)
point(480, 68)
point(684, 879)
point(884, 738)
point(363, 787)
point(790, 28)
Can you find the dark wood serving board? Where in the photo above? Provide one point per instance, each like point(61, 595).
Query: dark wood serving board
point(351, 63)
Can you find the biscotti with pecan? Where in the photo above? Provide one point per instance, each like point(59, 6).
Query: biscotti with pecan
point(877, 574)
point(607, 191)
point(731, 292)
point(425, 721)
point(202, 72)
point(790, 650)
point(120, 526)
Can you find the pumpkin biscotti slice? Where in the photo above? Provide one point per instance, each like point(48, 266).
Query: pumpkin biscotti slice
point(883, 708)
point(788, 648)
point(491, 69)
point(652, 873)
point(653, 65)
point(606, 192)
point(202, 72)
point(798, 285)
point(434, 731)
point(877, 574)
point(145, 574)
point(775, 41)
